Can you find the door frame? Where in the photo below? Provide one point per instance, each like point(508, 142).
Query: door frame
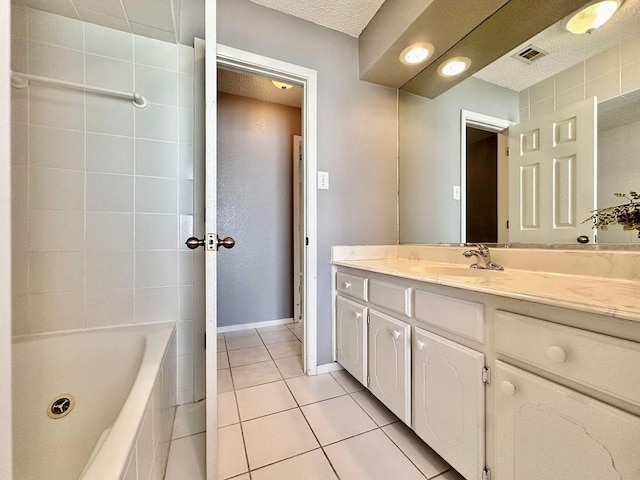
point(243, 61)
point(297, 234)
point(489, 124)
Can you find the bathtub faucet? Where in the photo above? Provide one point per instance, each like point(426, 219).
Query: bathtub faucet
point(483, 258)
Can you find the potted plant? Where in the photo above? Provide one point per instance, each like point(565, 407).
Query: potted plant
point(627, 215)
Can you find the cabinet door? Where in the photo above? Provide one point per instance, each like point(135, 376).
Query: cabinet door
point(448, 401)
point(390, 363)
point(351, 338)
point(545, 431)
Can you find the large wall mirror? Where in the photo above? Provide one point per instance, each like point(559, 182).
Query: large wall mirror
point(456, 183)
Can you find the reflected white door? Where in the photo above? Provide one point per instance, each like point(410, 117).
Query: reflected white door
point(552, 176)
point(298, 227)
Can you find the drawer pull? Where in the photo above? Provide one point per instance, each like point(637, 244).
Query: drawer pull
point(396, 334)
point(556, 354)
point(358, 315)
point(508, 388)
point(347, 284)
point(420, 345)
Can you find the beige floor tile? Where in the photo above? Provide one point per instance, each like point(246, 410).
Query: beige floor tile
point(232, 460)
point(371, 456)
point(298, 332)
point(264, 399)
point(314, 389)
point(450, 475)
point(277, 437)
point(255, 374)
point(347, 382)
point(223, 360)
point(247, 356)
point(336, 419)
point(244, 476)
point(222, 346)
point(286, 349)
point(227, 409)
point(243, 341)
point(422, 456)
point(190, 419)
point(374, 408)
point(240, 333)
point(309, 466)
point(278, 336)
point(187, 459)
point(274, 328)
point(224, 381)
point(290, 366)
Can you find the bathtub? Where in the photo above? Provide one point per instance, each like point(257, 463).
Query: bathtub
point(120, 384)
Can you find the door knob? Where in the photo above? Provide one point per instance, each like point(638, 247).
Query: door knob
point(508, 388)
point(212, 241)
point(582, 239)
point(192, 243)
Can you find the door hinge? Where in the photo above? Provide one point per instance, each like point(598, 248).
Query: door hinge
point(368, 380)
point(507, 224)
point(486, 375)
point(507, 151)
point(306, 241)
point(368, 319)
point(486, 473)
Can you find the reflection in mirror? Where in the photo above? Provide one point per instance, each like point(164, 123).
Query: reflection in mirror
point(605, 65)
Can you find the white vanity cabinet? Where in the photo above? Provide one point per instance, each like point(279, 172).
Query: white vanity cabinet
point(448, 401)
point(351, 338)
point(390, 363)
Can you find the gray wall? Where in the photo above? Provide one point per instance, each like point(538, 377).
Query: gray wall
point(429, 156)
point(255, 205)
point(356, 134)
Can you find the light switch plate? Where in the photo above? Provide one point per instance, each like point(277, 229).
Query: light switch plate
point(323, 180)
point(456, 192)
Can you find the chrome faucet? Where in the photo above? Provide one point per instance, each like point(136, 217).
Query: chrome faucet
point(483, 258)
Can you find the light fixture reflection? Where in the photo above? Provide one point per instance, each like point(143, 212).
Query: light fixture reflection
point(281, 85)
point(416, 53)
point(454, 66)
point(593, 16)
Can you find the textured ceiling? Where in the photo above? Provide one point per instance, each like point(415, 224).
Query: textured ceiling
point(257, 87)
point(346, 16)
point(157, 19)
point(565, 50)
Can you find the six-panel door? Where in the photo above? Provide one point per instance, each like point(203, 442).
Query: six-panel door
point(351, 338)
point(390, 363)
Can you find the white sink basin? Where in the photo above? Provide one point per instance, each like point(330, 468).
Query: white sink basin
point(454, 271)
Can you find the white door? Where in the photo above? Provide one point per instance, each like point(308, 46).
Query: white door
point(548, 432)
point(298, 228)
point(389, 349)
point(552, 176)
point(448, 401)
point(351, 338)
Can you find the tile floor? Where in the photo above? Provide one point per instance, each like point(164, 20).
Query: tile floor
point(277, 424)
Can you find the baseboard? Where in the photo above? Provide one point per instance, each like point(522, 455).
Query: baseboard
point(248, 326)
point(329, 367)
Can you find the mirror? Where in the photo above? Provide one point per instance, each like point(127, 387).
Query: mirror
point(430, 130)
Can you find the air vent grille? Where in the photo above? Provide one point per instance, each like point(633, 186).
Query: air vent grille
point(530, 54)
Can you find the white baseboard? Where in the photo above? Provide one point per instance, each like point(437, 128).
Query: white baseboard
point(329, 367)
point(248, 326)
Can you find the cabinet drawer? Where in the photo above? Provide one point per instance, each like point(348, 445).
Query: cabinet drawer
point(352, 285)
point(393, 297)
point(452, 314)
point(603, 363)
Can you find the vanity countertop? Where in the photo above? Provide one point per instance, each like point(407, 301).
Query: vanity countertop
point(614, 297)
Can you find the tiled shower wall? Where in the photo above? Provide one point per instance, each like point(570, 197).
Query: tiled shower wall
point(102, 191)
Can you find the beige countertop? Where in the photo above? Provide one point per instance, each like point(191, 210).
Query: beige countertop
point(614, 297)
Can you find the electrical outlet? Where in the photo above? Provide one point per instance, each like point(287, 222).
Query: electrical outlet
point(456, 192)
point(323, 180)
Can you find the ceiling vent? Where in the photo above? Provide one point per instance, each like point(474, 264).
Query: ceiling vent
point(530, 54)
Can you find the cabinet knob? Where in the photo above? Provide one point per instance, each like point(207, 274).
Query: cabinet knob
point(420, 345)
point(508, 388)
point(358, 315)
point(556, 354)
point(396, 334)
point(347, 284)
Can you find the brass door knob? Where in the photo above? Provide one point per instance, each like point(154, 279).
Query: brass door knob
point(212, 240)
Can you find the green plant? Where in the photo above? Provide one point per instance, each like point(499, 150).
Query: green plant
point(627, 215)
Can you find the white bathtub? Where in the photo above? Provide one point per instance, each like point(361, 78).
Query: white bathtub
point(123, 381)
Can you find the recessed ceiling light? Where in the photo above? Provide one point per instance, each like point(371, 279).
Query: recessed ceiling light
point(454, 66)
point(593, 15)
point(281, 85)
point(416, 53)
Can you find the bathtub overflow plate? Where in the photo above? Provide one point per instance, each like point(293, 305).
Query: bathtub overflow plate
point(61, 406)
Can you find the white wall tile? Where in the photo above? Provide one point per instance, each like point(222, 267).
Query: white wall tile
point(109, 307)
point(186, 87)
point(186, 162)
point(156, 195)
point(156, 232)
point(19, 315)
point(112, 8)
point(55, 29)
point(186, 268)
point(542, 108)
point(109, 115)
point(56, 148)
point(186, 125)
point(19, 191)
point(56, 311)
point(186, 303)
point(56, 62)
point(603, 63)
point(109, 73)
point(19, 57)
point(156, 304)
point(186, 197)
point(151, 32)
point(156, 159)
point(109, 193)
point(56, 189)
point(630, 77)
point(56, 272)
point(185, 338)
point(157, 85)
point(155, 53)
point(110, 153)
point(109, 231)
point(20, 273)
point(570, 78)
point(630, 51)
point(20, 105)
point(109, 270)
point(19, 144)
point(604, 87)
point(157, 122)
point(156, 269)
point(186, 230)
point(569, 97)
point(185, 373)
point(109, 21)
point(185, 59)
point(56, 107)
point(18, 20)
point(541, 91)
point(108, 42)
point(56, 231)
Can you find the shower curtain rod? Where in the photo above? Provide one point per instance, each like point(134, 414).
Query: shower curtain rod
point(22, 80)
